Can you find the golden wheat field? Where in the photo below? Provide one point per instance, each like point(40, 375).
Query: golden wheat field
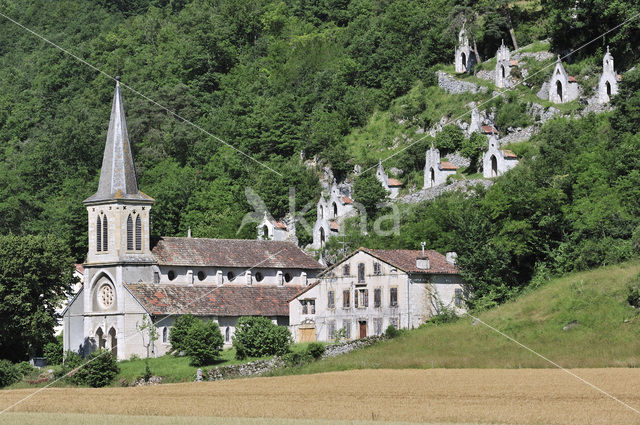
point(508, 396)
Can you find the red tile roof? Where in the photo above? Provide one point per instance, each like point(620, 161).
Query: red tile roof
point(232, 253)
point(509, 154)
point(572, 79)
point(446, 165)
point(80, 268)
point(228, 300)
point(334, 225)
point(280, 225)
point(347, 200)
point(405, 260)
point(487, 129)
point(513, 62)
point(394, 182)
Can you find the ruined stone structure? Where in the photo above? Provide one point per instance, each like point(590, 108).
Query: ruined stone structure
point(464, 59)
point(128, 278)
point(562, 87)
point(608, 83)
point(331, 212)
point(283, 230)
point(371, 289)
point(436, 171)
point(391, 185)
point(496, 161)
point(503, 67)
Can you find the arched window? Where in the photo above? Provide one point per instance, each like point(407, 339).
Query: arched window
point(335, 210)
point(503, 72)
point(464, 62)
point(165, 334)
point(321, 212)
point(98, 234)
point(138, 234)
point(130, 233)
point(227, 334)
point(361, 272)
point(608, 90)
point(105, 234)
point(265, 232)
point(322, 236)
point(259, 277)
point(100, 338)
point(113, 341)
point(433, 177)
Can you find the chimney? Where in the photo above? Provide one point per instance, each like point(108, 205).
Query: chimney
point(452, 257)
point(422, 263)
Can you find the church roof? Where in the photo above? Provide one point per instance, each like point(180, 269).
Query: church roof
point(509, 154)
point(227, 300)
point(446, 165)
point(394, 182)
point(245, 253)
point(117, 176)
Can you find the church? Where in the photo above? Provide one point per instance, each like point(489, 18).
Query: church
point(130, 278)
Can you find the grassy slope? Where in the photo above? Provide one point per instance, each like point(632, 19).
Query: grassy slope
point(607, 334)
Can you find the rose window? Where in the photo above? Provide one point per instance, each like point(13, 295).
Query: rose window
point(106, 295)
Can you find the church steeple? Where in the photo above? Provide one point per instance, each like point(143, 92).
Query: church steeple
point(117, 177)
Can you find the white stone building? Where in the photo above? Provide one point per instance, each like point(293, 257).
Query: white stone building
point(503, 67)
point(436, 171)
point(391, 185)
point(283, 230)
point(129, 277)
point(331, 212)
point(464, 59)
point(563, 88)
point(372, 289)
point(608, 83)
point(496, 161)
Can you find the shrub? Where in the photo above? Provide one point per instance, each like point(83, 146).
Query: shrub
point(24, 368)
point(203, 342)
point(99, 369)
point(633, 294)
point(9, 373)
point(258, 337)
point(391, 332)
point(446, 315)
point(449, 139)
point(315, 350)
point(297, 359)
point(179, 331)
point(53, 351)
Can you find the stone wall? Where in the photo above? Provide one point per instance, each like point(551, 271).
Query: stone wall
point(453, 86)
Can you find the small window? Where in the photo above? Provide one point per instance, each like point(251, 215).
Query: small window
point(393, 297)
point(165, 335)
point(331, 299)
point(308, 306)
point(98, 234)
point(227, 334)
point(377, 297)
point(376, 268)
point(361, 273)
point(346, 270)
point(346, 299)
point(105, 234)
point(458, 297)
point(138, 234)
point(346, 325)
point(331, 330)
point(230, 276)
point(129, 233)
point(259, 277)
point(287, 277)
point(202, 275)
point(156, 277)
point(171, 275)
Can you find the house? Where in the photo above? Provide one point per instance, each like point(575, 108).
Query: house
point(371, 289)
point(130, 278)
point(391, 185)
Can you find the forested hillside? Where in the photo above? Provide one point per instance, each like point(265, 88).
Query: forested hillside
point(289, 83)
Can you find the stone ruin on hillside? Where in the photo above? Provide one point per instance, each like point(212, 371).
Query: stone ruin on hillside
point(503, 67)
point(464, 59)
point(436, 171)
point(608, 83)
point(496, 161)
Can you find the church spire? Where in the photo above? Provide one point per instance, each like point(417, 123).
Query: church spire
point(117, 177)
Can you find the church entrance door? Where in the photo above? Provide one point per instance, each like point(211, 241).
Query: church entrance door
point(114, 342)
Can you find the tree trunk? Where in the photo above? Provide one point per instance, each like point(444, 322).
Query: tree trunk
point(475, 49)
point(510, 25)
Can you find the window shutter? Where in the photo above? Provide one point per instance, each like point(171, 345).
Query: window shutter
point(98, 234)
point(129, 233)
point(138, 234)
point(105, 234)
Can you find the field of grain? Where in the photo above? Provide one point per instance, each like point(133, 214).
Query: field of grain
point(511, 396)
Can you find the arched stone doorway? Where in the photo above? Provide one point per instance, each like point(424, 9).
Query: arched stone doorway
point(503, 71)
point(265, 231)
point(432, 176)
point(608, 84)
point(494, 166)
point(463, 57)
point(335, 210)
point(559, 90)
point(322, 237)
point(113, 342)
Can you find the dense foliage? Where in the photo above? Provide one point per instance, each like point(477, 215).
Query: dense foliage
point(98, 369)
point(200, 340)
point(9, 373)
point(35, 276)
point(259, 336)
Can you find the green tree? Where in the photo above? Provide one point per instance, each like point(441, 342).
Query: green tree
point(368, 191)
point(259, 336)
point(179, 331)
point(36, 276)
point(473, 148)
point(449, 139)
point(203, 342)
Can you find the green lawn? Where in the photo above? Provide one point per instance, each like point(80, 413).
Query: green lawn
point(607, 333)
